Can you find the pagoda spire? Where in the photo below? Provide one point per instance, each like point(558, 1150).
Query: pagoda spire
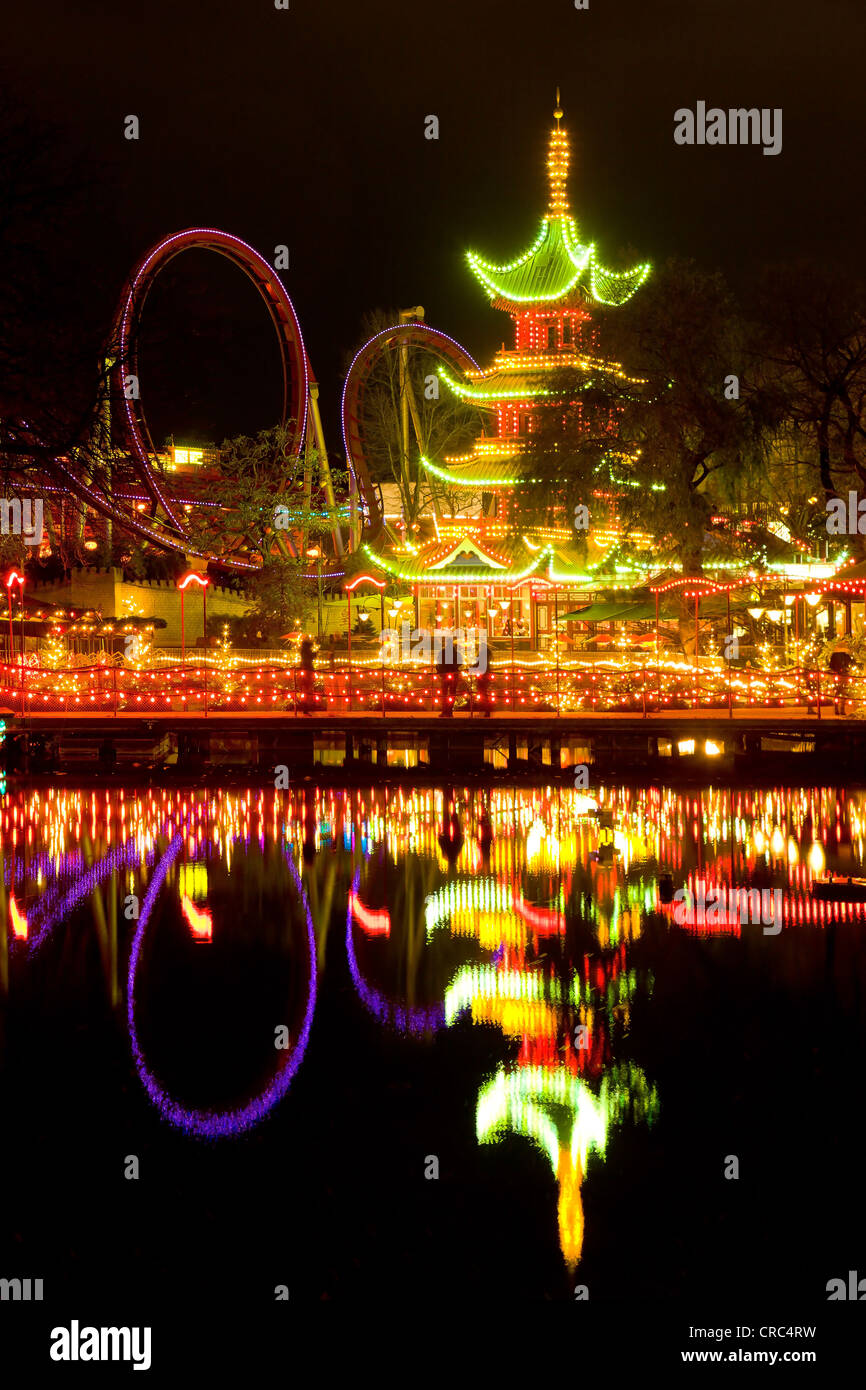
point(558, 264)
point(557, 166)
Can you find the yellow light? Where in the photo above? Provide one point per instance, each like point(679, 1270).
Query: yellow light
point(712, 749)
point(686, 745)
point(777, 843)
point(817, 859)
point(188, 456)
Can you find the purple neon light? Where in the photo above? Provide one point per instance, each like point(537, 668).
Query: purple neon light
point(17, 871)
point(383, 333)
point(403, 1019)
point(141, 528)
point(14, 867)
point(207, 1124)
point(266, 276)
point(124, 496)
point(123, 857)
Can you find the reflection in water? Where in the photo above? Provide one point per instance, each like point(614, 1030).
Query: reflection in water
point(401, 1017)
point(200, 920)
point(200, 1122)
point(529, 915)
point(563, 1091)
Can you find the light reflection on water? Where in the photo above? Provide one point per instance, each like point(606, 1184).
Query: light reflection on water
point(512, 910)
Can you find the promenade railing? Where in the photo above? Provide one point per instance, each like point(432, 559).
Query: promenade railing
point(542, 688)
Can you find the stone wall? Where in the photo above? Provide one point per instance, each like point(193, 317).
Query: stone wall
point(106, 590)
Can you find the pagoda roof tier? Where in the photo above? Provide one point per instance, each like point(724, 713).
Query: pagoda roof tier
point(490, 449)
point(513, 384)
point(514, 360)
point(499, 386)
point(479, 473)
point(473, 558)
point(558, 266)
point(466, 560)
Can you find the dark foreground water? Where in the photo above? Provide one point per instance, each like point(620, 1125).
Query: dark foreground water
point(434, 1044)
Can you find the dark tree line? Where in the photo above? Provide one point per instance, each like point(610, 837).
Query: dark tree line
point(756, 403)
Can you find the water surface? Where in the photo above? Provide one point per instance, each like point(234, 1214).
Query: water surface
point(390, 1043)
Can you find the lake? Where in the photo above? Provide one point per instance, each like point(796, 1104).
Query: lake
point(430, 1041)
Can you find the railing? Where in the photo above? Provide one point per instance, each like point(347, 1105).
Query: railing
point(244, 656)
point(543, 688)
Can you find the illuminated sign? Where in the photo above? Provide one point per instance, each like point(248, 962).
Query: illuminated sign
point(187, 457)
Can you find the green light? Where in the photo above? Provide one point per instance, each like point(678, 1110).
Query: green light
point(510, 578)
point(483, 894)
point(565, 261)
point(466, 393)
point(455, 478)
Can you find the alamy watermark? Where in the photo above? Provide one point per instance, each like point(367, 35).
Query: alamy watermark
point(75, 1343)
point(846, 520)
point(20, 1290)
point(724, 906)
point(441, 645)
point(737, 126)
point(22, 519)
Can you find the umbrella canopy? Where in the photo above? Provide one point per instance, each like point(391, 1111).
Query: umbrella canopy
point(597, 613)
point(619, 613)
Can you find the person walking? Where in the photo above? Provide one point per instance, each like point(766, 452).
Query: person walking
point(306, 676)
point(840, 664)
point(448, 668)
point(483, 685)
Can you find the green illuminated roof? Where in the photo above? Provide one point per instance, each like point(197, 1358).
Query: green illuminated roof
point(427, 567)
point(509, 385)
point(556, 266)
point(501, 386)
point(481, 473)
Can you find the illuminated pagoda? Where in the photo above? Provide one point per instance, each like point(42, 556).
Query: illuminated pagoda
point(565, 1098)
point(479, 563)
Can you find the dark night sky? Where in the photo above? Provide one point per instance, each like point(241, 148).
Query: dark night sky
point(307, 127)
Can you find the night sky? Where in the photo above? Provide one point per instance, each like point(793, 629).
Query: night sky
point(306, 127)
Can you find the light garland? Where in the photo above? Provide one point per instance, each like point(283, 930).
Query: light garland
point(510, 578)
point(456, 480)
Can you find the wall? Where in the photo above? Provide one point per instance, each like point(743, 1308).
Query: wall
point(106, 590)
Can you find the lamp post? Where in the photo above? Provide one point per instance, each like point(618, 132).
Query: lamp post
point(406, 399)
point(183, 584)
point(13, 577)
point(364, 617)
point(729, 674)
point(556, 642)
point(315, 553)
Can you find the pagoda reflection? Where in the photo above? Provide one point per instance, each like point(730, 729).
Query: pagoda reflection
point(518, 909)
point(557, 982)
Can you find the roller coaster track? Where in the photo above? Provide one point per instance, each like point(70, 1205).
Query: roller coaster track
point(167, 526)
point(411, 334)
